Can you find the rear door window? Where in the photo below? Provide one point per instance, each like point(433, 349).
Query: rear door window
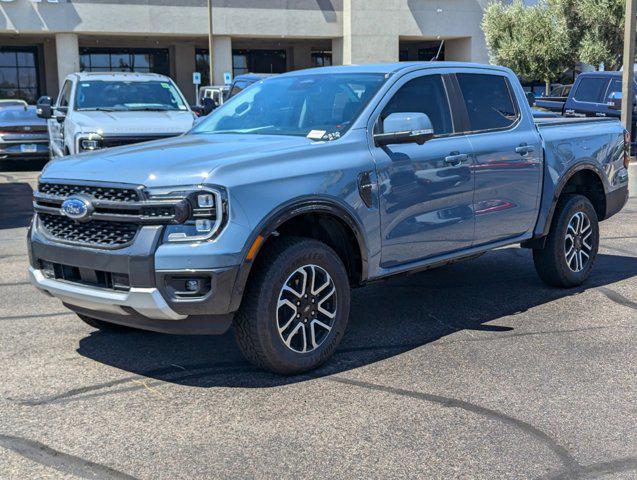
point(489, 101)
point(590, 90)
point(425, 95)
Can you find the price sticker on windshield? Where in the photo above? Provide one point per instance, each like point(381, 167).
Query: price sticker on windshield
point(316, 134)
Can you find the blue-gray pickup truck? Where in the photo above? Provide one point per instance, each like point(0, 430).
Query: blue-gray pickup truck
point(304, 185)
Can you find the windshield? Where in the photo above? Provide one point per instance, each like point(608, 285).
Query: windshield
point(319, 106)
point(126, 96)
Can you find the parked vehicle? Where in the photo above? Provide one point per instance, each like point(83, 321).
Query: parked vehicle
point(556, 100)
point(241, 82)
point(23, 136)
point(595, 94)
point(4, 103)
point(101, 110)
point(215, 92)
point(266, 213)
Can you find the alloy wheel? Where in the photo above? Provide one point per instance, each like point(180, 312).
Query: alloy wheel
point(578, 245)
point(306, 308)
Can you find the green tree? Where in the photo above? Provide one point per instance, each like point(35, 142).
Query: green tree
point(531, 40)
point(602, 24)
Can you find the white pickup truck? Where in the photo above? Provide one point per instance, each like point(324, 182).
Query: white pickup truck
point(101, 110)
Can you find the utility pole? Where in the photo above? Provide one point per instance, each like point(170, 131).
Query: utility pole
point(628, 95)
point(211, 69)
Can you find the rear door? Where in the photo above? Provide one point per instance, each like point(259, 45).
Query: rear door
point(508, 156)
point(588, 99)
point(426, 191)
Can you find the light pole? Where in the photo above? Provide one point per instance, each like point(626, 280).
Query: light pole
point(210, 54)
point(629, 65)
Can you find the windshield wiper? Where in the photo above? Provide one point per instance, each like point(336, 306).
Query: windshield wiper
point(151, 109)
point(101, 109)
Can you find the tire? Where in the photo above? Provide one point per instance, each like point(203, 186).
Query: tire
point(273, 322)
point(104, 326)
point(551, 262)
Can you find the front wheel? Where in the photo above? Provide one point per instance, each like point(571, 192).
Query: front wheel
point(572, 244)
point(295, 308)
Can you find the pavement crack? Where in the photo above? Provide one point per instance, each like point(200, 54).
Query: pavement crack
point(37, 315)
point(617, 297)
point(564, 456)
point(597, 470)
point(14, 284)
point(60, 461)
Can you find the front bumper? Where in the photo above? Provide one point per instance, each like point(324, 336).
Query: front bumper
point(148, 302)
point(25, 150)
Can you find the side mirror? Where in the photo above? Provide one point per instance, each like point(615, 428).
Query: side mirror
point(43, 107)
point(615, 101)
point(408, 127)
point(530, 98)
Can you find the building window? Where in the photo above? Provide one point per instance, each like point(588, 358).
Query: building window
point(258, 61)
point(143, 60)
point(321, 58)
point(19, 73)
point(202, 65)
point(403, 55)
point(428, 54)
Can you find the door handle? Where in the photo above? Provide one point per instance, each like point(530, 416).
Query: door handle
point(456, 159)
point(525, 149)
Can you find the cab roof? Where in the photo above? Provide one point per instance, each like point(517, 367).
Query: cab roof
point(128, 76)
point(390, 68)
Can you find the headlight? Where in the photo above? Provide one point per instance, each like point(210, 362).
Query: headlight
point(208, 214)
point(89, 143)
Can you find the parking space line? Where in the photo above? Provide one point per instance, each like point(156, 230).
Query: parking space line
point(60, 461)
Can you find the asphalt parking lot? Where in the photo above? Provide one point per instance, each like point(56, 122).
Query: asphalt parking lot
point(475, 370)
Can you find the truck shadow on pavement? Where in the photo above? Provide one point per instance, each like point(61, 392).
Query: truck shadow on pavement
point(386, 320)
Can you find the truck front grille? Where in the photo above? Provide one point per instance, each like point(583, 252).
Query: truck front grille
point(95, 233)
point(116, 212)
point(113, 194)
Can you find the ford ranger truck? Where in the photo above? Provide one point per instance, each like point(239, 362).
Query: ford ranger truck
point(304, 185)
point(97, 110)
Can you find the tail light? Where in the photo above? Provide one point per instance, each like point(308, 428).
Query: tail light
point(626, 148)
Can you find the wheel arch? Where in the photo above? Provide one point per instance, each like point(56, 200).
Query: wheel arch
point(586, 179)
point(296, 209)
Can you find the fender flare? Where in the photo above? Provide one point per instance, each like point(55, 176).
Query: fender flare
point(566, 177)
point(291, 209)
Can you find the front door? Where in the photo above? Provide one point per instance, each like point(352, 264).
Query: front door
point(426, 191)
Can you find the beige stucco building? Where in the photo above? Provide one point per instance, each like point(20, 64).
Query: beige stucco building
point(41, 41)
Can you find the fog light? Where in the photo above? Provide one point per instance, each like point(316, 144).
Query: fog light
point(48, 270)
point(193, 285)
point(204, 226)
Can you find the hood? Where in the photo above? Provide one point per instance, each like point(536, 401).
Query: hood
point(134, 123)
point(186, 160)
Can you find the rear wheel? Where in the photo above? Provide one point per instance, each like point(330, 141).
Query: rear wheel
point(572, 244)
point(295, 309)
point(104, 326)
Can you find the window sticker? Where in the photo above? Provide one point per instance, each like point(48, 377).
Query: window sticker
point(316, 134)
point(165, 85)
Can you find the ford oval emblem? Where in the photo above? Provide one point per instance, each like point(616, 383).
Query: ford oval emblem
point(77, 208)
